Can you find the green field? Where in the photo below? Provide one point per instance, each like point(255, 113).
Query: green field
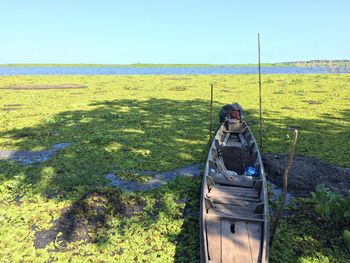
point(127, 124)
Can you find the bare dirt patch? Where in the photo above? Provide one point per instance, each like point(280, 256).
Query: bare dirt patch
point(86, 217)
point(10, 109)
point(313, 102)
point(306, 173)
point(13, 105)
point(45, 87)
point(178, 88)
point(287, 108)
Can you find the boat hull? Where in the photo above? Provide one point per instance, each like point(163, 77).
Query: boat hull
point(234, 206)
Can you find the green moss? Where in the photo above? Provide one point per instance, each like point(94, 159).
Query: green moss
point(124, 124)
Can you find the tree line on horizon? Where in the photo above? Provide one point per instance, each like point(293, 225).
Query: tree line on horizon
point(321, 62)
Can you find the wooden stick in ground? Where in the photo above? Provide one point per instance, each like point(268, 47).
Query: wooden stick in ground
point(211, 111)
point(285, 186)
point(260, 103)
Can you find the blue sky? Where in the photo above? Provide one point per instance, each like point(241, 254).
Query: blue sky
point(181, 31)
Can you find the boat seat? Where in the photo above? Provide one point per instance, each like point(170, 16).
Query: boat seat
point(236, 211)
point(212, 213)
point(248, 194)
point(234, 201)
point(240, 181)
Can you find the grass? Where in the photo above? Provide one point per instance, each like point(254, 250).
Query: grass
point(133, 123)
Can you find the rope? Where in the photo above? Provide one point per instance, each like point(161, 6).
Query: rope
point(221, 166)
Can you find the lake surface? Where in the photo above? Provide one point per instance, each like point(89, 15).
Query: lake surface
point(10, 71)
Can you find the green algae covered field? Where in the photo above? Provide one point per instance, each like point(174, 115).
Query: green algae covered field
point(63, 209)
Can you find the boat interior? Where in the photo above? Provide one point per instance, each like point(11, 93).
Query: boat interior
point(234, 202)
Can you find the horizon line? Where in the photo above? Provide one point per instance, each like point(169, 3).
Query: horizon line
point(218, 64)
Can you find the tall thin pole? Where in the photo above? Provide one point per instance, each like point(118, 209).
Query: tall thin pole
point(285, 186)
point(211, 110)
point(260, 104)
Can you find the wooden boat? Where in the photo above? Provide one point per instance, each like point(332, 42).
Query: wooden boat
point(234, 206)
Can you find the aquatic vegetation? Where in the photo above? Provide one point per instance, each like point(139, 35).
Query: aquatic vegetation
point(154, 123)
point(346, 236)
point(332, 207)
point(304, 236)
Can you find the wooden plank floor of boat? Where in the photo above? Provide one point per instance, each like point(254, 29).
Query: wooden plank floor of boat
point(233, 241)
point(233, 192)
point(234, 227)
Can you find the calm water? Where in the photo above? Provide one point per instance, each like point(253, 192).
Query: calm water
point(8, 71)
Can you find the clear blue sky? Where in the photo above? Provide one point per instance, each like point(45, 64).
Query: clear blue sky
point(178, 31)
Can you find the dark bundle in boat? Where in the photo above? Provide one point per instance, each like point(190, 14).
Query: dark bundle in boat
point(234, 207)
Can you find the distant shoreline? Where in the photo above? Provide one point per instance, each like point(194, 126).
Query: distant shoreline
point(145, 65)
point(310, 63)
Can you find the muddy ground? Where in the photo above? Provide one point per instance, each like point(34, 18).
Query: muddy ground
point(86, 218)
point(306, 173)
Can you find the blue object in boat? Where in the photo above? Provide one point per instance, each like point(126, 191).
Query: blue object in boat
point(251, 171)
